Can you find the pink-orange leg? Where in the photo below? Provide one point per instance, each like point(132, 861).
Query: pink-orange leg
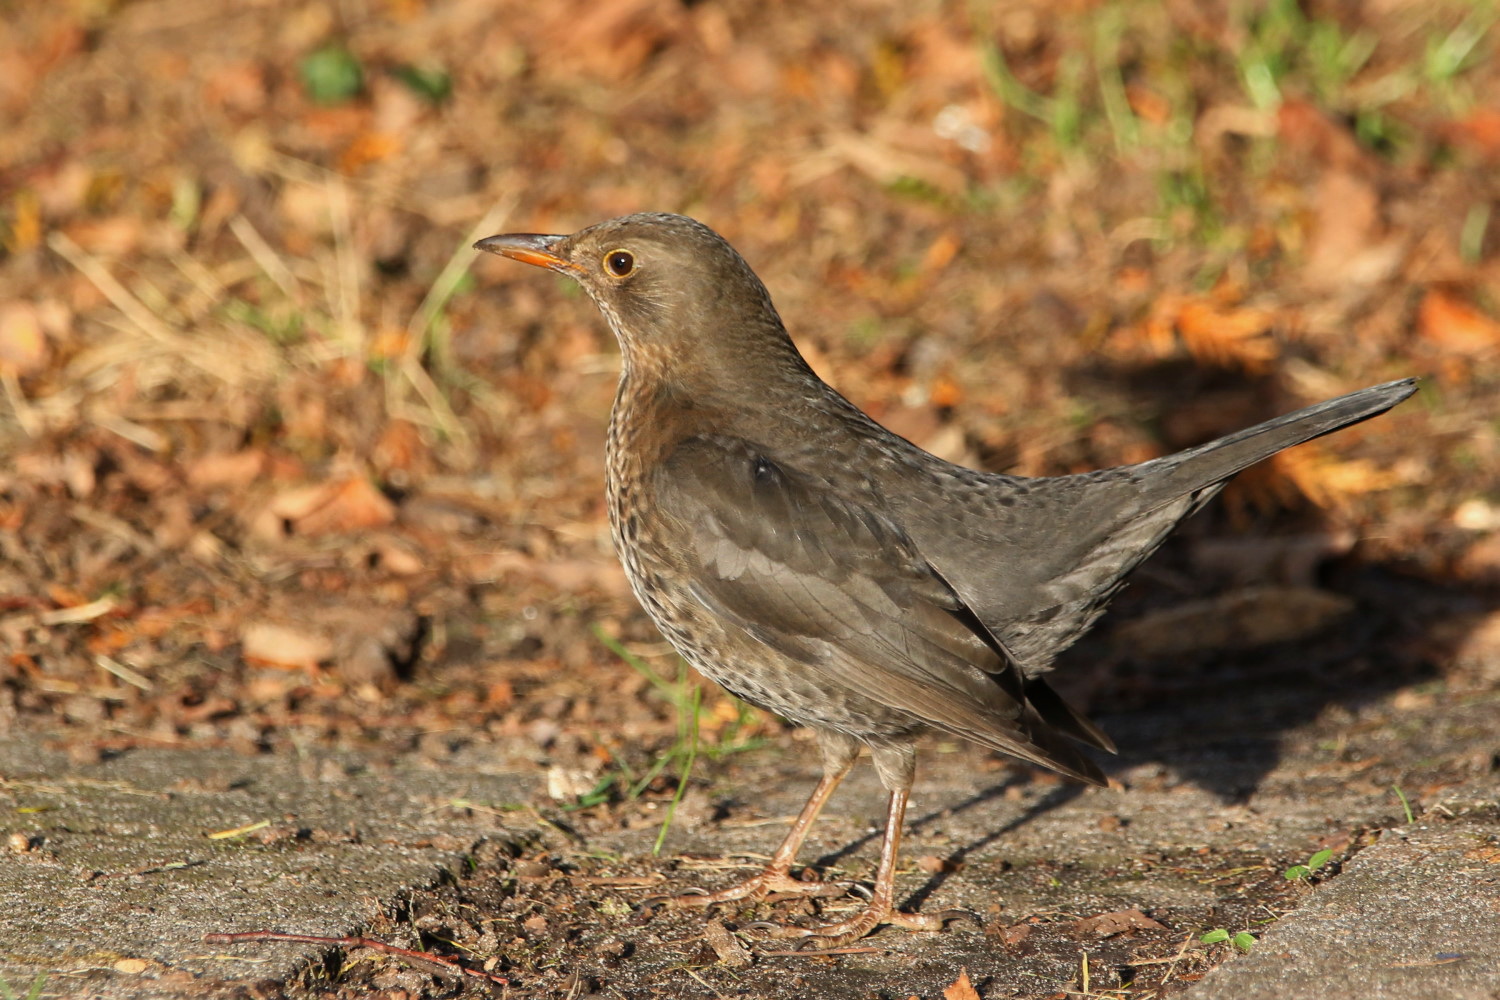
point(777, 875)
point(881, 908)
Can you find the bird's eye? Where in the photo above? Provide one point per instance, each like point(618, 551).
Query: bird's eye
point(619, 263)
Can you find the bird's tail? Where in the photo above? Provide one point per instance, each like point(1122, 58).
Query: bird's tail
point(1198, 468)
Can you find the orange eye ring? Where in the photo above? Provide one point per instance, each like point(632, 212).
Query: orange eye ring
point(620, 263)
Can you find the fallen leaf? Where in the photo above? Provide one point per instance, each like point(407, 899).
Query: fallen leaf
point(1344, 247)
point(1015, 935)
point(1317, 475)
point(1227, 336)
point(1305, 127)
point(1480, 561)
point(1254, 616)
point(1148, 105)
point(1109, 924)
point(236, 469)
point(284, 645)
point(1479, 131)
point(328, 508)
point(961, 989)
point(23, 344)
point(726, 946)
point(1453, 324)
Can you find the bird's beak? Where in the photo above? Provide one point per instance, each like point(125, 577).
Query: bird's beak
point(529, 248)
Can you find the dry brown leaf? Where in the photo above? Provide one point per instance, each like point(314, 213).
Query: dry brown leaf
point(1109, 924)
point(961, 989)
point(328, 508)
point(23, 344)
point(940, 253)
point(399, 447)
point(1327, 481)
point(1015, 935)
point(285, 645)
point(1227, 336)
point(609, 41)
point(1479, 131)
point(235, 470)
point(114, 236)
point(1454, 325)
point(1480, 561)
point(368, 147)
point(1305, 127)
point(726, 946)
point(1348, 249)
point(1148, 105)
point(1210, 327)
point(237, 86)
point(1254, 616)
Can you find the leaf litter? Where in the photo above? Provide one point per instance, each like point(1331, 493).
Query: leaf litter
point(279, 467)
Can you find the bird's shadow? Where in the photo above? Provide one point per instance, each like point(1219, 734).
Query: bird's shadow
point(1058, 796)
point(1218, 716)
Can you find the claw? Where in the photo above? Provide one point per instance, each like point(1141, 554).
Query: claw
point(948, 916)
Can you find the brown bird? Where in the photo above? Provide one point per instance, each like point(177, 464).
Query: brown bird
point(819, 566)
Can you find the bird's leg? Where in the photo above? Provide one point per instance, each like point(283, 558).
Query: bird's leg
point(839, 755)
point(897, 768)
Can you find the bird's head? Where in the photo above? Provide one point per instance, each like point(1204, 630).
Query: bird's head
point(678, 297)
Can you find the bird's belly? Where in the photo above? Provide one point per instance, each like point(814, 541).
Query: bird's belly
point(723, 652)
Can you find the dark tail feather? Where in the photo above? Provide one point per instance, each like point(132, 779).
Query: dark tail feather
point(1064, 717)
point(1196, 468)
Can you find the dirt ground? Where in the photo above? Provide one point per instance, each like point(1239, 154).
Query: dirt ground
point(282, 465)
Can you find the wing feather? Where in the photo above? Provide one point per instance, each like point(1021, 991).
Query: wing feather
point(840, 588)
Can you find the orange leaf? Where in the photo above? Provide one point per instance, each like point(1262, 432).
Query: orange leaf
point(1148, 104)
point(284, 645)
point(1480, 131)
point(1227, 336)
point(23, 344)
point(1451, 323)
point(940, 254)
point(961, 989)
point(328, 508)
point(368, 147)
point(236, 469)
point(945, 393)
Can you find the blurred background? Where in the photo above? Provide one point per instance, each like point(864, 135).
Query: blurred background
point(282, 460)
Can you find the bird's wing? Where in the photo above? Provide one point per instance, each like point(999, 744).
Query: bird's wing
point(839, 588)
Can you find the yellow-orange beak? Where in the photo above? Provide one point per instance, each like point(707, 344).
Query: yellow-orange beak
point(528, 248)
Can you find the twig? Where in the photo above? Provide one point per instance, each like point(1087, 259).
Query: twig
point(261, 252)
point(144, 319)
point(346, 303)
point(818, 953)
point(78, 613)
point(121, 671)
point(353, 941)
point(25, 415)
point(444, 285)
point(169, 866)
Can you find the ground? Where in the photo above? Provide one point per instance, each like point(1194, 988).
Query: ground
point(287, 469)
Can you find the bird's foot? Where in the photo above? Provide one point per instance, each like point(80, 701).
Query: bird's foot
point(875, 915)
point(771, 882)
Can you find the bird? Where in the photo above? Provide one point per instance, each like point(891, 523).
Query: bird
point(817, 565)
